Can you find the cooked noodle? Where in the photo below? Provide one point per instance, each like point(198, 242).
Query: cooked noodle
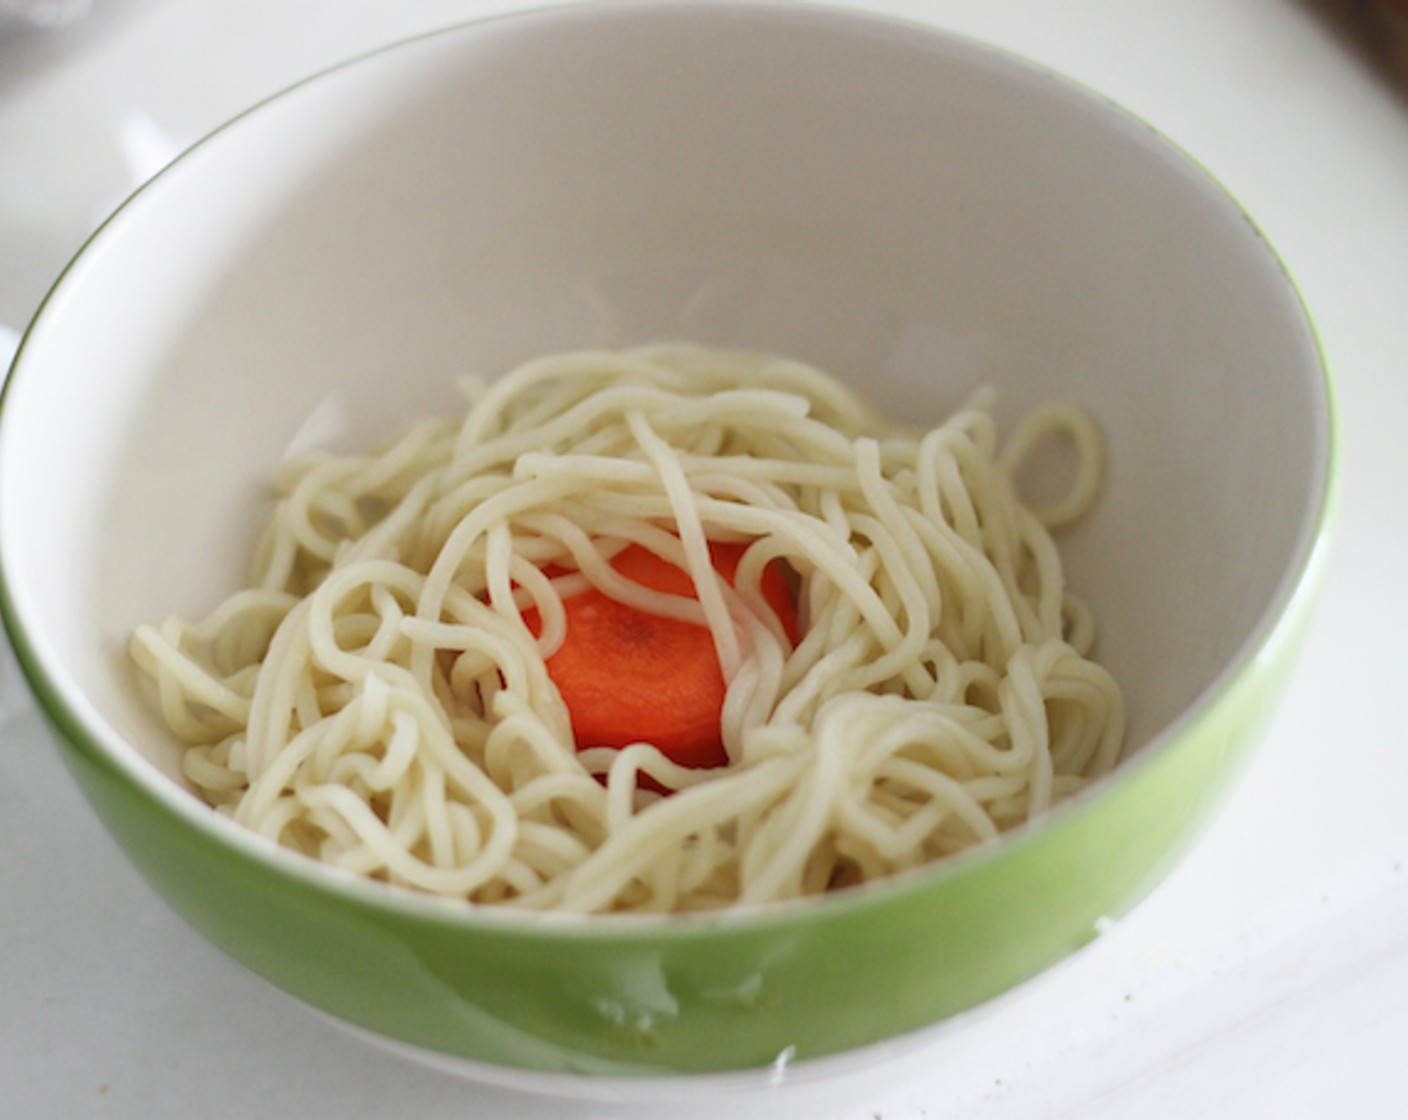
point(376, 701)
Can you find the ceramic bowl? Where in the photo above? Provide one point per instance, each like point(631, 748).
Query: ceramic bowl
point(914, 212)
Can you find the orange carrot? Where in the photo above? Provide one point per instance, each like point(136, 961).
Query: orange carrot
point(629, 676)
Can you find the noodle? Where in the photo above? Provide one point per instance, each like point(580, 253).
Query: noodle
point(376, 700)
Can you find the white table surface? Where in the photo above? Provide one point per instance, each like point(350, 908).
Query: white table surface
point(1267, 977)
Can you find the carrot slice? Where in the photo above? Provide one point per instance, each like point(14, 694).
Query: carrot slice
point(629, 676)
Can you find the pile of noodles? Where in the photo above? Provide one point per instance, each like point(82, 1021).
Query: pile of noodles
point(375, 700)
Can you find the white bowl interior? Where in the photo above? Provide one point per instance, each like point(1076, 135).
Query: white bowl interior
point(916, 214)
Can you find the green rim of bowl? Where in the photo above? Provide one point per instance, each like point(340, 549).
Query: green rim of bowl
point(98, 746)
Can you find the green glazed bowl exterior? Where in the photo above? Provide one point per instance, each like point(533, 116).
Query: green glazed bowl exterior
point(750, 989)
point(702, 996)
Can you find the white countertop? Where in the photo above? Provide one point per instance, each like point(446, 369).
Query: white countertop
point(1267, 977)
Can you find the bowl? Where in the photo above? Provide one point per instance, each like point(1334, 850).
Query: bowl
point(916, 213)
